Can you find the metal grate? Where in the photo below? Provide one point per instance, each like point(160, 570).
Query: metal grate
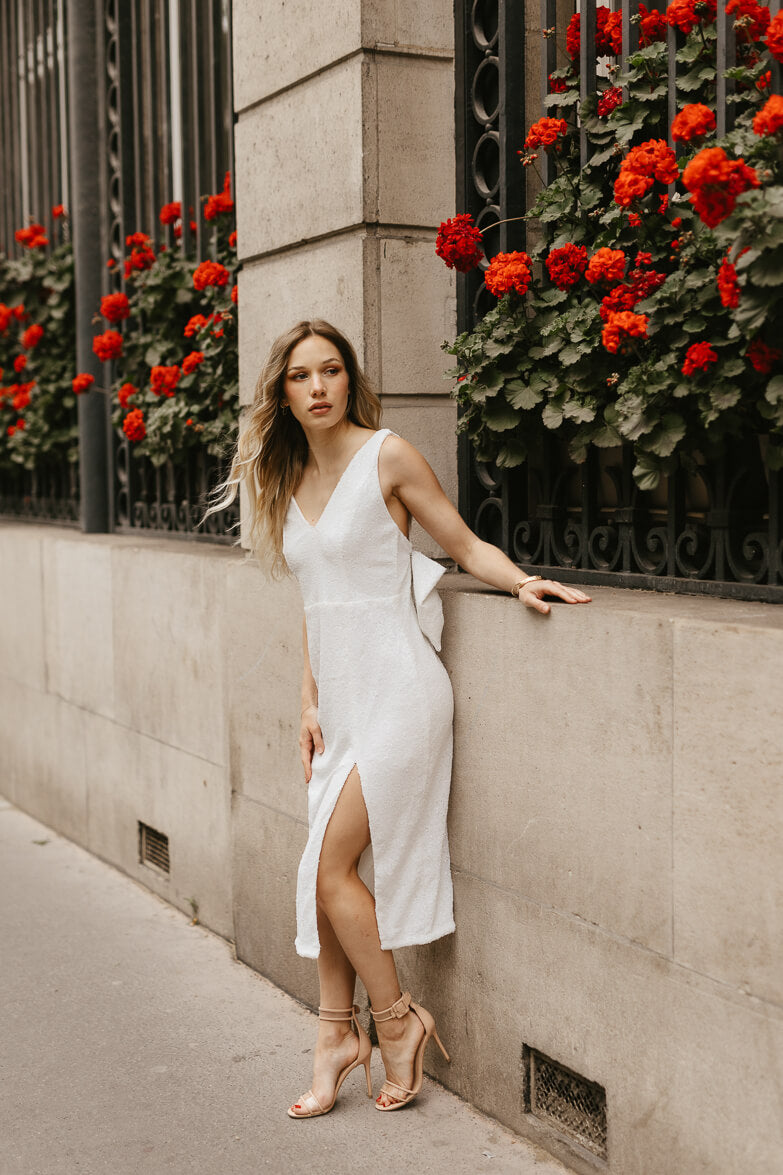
point(153, 848)
point(563, 1099)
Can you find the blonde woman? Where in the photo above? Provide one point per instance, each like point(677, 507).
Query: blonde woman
point(331, 497)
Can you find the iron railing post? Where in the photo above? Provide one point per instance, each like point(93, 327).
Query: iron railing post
point(86, 214)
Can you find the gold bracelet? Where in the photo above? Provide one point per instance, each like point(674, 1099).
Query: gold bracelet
point(518, 586)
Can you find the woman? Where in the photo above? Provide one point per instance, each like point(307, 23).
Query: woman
point(331, 497)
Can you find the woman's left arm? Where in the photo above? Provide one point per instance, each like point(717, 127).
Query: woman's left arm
point(407, 475)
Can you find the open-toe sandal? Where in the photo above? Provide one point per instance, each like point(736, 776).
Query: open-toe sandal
point(403, 1005)
point(308, 1105)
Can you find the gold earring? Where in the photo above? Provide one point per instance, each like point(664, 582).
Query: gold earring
point(284, 406)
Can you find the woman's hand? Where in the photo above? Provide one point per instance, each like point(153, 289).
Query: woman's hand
point(531, 594)
point(310, 739)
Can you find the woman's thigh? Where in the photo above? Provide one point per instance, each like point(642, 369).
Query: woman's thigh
point(348, 831)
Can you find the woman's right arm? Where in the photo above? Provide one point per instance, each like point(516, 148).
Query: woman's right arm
point(310, 737)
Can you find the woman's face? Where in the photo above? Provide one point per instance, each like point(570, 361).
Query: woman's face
point(316, 384)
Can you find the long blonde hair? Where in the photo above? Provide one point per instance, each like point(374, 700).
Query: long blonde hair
point(271, 451)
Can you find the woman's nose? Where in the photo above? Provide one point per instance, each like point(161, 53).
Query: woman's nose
point(317, 385)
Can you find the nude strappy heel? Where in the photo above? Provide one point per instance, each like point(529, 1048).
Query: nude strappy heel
point(308, 1102)
point(401, 1008)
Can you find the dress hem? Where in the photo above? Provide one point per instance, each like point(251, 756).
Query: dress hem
point(418, 940)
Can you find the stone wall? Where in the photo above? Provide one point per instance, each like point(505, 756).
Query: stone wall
point(616, 817)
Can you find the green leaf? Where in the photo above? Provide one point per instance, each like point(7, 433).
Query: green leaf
point(647, 471)
point(664, 440)
point(499, 415)
point(512, 452)
point(523, 396)
point(774, 392)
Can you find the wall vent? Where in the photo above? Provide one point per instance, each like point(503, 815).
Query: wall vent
point(571, 1104)
point(153, 848)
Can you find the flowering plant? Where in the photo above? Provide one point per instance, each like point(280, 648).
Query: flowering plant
point(645, 313)
point(171, 336)
point(37, 344)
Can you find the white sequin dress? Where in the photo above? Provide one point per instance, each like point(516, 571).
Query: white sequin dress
point(374, 621)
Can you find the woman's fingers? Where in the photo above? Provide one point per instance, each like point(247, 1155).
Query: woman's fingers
point(310, 739)
point(532, 594)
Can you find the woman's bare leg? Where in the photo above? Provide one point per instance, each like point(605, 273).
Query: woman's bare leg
point(349, 908)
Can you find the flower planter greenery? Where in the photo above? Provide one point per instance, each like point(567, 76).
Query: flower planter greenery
point(651, 311)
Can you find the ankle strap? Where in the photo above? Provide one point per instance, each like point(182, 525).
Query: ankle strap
point(337, 1014)
point(396, 1011)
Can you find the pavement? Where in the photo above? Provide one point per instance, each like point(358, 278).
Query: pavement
point(132, 1041)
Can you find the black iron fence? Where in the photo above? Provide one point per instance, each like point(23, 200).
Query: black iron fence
point(716, 530)
point(114, 108)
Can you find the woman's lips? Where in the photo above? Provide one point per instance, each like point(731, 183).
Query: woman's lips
point(320, 409)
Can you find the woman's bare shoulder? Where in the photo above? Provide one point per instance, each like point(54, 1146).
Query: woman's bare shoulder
point(400, 461)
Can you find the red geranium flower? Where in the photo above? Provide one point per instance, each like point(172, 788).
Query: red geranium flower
point(124, 394)
point(728, 285)
point(557, 85)
point(606, 265)
point(141, 258)
point(763, 357)
point(546, 132)
point(115, 307)
point(769, 120)
point(196, 324)
point(686, 14)
point(650, 161)
point(32, 336)
point(752, 19)
point(608, 34)
point(610, 98)
point(715, 181)
point(698, 357)
point(508, 271)
point(216, 205)
point(775, 36)
point(58, 211)
point(137, 241)
point(21, 423)
point(566, 265)
point(133, 425)
point(693, 122)
point(232, 240)
point(164, 379)
point(20, 363)
point(108, 345)
point(81, 382)
point(652, 26)
point(170, 212)
point(210, 273)
point(191, 361)
point(110, 264)
point(235, 295)
point(26, 236)
point(621, 327)
point(20, 397)
point(458, 243)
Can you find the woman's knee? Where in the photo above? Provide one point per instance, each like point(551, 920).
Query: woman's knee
point(334, 875)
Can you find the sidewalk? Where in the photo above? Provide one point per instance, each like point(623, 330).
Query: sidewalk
point(132, 1041)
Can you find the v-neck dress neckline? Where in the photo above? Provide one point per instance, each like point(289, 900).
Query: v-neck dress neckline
point(341, 478)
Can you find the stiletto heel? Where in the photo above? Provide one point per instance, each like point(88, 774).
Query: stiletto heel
point(401, 1008)
point(308, 1102)
point(441, 1046)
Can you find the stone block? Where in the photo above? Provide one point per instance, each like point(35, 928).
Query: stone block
point(301, 152)
point(429, 423)
point(691, 1071)
point(132, 778)
point(267, 846)
point(417, 312)
point(22, 630)
point(565, 720)
point(78, 602)
point(409, 25)
point(43, 757)
point(325, 280)
point(728, 804)
point(409, 140)
point(167, 604)
point(262, 671)
point(276, 46)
